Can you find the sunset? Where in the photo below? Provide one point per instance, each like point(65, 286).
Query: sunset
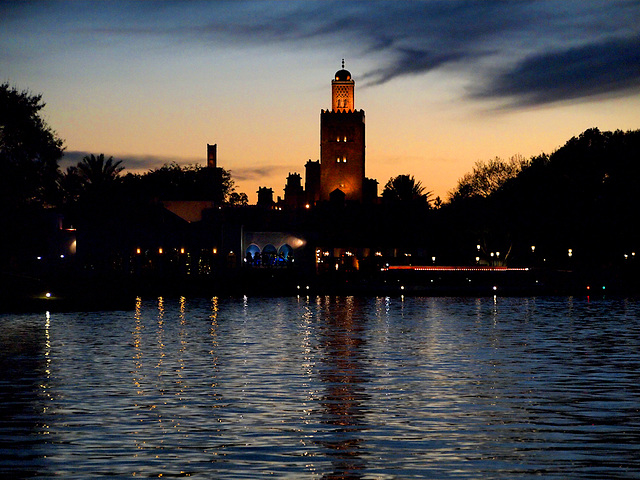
point(443, 84)
point(320, 239)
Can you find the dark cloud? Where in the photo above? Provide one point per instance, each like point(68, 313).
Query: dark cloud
point(527, 52)
point(143, 163)
point(547, 51)
point(132, 163)
point(411, 62)
point(258, 173)
point(608, 67)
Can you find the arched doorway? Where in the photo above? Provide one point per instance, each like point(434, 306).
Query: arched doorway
point(269, 255)
point(285, 254)
point(252, 255)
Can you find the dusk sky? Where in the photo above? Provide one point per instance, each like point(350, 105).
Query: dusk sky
point(443, 83)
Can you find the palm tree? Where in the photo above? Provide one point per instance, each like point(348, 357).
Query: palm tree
point(97, 172)
point(405, 189)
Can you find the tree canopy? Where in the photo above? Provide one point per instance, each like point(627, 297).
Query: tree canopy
point(188, 182)
point(29, 150)
point(487, 177)
point(405, 189)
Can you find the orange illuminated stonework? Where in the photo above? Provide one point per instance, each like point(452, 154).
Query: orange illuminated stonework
point(342, 142)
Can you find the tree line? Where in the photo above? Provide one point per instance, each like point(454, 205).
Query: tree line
point(94, 195)
point(577, 204)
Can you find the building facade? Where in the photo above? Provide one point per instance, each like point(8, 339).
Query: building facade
point(342, 143)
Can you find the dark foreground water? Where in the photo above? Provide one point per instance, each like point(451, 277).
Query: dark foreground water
point(324, 387)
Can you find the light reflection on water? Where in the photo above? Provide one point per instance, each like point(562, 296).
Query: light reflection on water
point(324, 387)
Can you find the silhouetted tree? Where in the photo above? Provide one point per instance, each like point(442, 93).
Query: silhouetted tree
point(29, 154)
point(91, 182)
point(405, 189)
point(95, 171)
point(487, 177)
point(190, 182)
point(29, 150)
point(238, 199)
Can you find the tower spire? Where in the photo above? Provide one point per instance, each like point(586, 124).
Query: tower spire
point(343, 63)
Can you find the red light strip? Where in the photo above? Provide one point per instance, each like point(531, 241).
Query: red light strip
point(457, 269)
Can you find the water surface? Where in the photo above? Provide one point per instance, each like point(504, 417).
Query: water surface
point(324, 387)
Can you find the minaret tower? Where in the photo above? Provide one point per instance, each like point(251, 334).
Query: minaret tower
point(342, 147)
point(342, 91)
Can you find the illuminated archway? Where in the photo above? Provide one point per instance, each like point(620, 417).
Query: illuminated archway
point(269, 255)
point(252, 255)
point(285, 253)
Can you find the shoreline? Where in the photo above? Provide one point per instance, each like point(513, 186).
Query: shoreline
point(96, 293)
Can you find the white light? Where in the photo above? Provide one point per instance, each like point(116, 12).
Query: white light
point(495, 288)
point(48, 295)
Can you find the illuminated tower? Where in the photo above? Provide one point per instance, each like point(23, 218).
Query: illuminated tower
point(212, 155)
point(342, 141)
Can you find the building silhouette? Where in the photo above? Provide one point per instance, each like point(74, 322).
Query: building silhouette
point(342, 142)
point(339, 175)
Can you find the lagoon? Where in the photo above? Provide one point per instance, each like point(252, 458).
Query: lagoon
point(324, 387)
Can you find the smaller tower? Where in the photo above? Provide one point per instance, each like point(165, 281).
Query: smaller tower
point(212, 155)
point(265, 197)
point(312, 181)
point(293, 191)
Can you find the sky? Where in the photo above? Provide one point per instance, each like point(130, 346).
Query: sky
point(443, 84)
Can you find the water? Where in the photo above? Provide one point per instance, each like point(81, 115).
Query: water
point(335, 388)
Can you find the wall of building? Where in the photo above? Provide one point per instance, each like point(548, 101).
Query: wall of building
point(342, 154)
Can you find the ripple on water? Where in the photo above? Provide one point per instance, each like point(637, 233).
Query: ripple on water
point(326, 387)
